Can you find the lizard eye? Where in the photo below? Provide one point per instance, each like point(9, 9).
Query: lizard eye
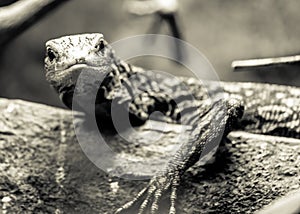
point(51, 54)
point(100, 46)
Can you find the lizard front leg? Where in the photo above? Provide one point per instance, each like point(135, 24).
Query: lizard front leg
point(214, 123)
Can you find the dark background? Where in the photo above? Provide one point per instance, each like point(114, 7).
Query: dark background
point(223, 30)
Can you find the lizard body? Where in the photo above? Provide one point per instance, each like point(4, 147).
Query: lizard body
point(188, 103)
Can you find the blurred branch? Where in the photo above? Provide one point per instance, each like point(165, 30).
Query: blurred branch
point(164, 11)
point(141, 8)
point(148, 7)
point(6, 2)
point(267, 64)
point(17, 17)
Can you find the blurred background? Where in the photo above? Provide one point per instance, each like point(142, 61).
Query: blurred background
point(222, 30)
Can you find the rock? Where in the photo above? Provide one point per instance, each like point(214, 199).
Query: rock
point(44, 170)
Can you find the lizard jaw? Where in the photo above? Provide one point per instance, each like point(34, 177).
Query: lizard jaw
point(79, 76)
point(66, 77)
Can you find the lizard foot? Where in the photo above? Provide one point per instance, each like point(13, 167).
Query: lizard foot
point(148, 199)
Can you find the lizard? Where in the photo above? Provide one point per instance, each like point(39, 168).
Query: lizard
point(67, 56)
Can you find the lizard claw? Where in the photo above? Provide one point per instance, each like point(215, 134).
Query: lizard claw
point(148, 199)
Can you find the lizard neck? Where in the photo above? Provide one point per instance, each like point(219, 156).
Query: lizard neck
point(119, 72)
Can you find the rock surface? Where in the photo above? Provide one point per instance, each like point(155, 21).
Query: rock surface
point(43, 169)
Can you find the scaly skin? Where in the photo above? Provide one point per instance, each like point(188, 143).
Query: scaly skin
point(211, 117)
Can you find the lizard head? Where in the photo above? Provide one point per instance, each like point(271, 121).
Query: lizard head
point(66, 57)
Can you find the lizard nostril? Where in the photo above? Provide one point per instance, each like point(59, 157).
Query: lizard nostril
point(80, 60)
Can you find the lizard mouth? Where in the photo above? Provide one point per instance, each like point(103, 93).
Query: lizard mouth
point(71, 68)
point(74, 67)
point(69, 74)
point(64, 80)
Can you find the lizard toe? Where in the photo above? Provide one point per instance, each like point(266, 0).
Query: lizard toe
point(149, 199)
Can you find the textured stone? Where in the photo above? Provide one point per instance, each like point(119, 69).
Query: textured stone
point(43, 170)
